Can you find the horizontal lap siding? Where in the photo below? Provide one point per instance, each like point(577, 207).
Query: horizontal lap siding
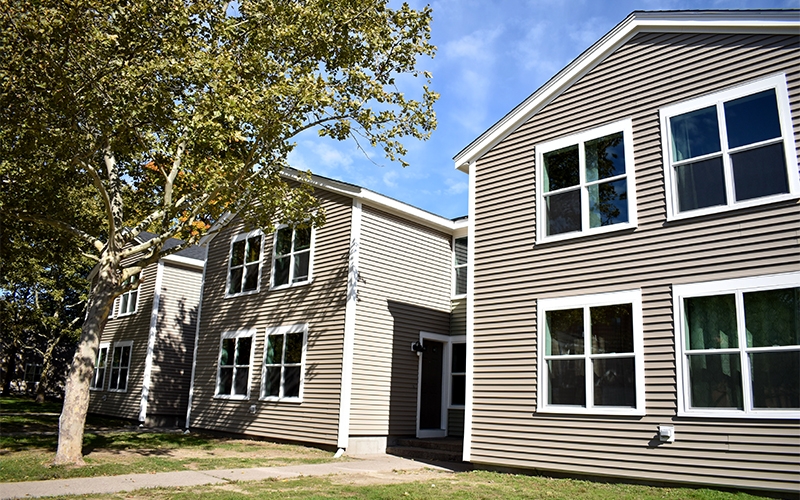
point(174, 342)
point(649, 72)
point(321, 304)
point(403, 288)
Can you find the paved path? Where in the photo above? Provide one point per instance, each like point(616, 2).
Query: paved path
point(129, 482)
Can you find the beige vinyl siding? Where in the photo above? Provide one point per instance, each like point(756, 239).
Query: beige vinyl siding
point(511, 273)
point(134, 327)
point(404, 287)
point(321, 304)
point(174, 343)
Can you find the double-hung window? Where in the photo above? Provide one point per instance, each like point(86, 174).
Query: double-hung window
point(728, 150)
point(458, 374)
point(244, 266)
point(738, 345)
point(460, 247)
point(99, 376)
point(120, 366)
point(128, 301)
point(591, 356)
point(235, 359)
point(293, 256)
point(284, 361)
point(586, 183)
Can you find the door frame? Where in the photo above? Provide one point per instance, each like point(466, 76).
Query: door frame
point(446, 370)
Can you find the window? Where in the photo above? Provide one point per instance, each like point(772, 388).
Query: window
point(244, 266)
point(120, 366)
point(99, 377)
point(127, 301)
point(33, 372)
point(293, 257)
point(284, 362)
point(460, 265)
point(235, 359)
point(458, 374)
point(739, 347)
point(728, 150)
point(591, 355)
point(586, 183)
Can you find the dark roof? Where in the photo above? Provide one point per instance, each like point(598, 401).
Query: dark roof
point(192, 252)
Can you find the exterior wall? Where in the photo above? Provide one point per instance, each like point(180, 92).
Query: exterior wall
point(404, 288)
point(321, 304)
point(511, 273)
point(458, 317)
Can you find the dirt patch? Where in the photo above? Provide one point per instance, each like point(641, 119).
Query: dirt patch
point(391, 477)
point(238, 448)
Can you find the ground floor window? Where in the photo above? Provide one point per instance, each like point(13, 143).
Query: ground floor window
point(284, 361)
point(235, 360)
point(458, 374)
point(99, 376)
point(120, 366)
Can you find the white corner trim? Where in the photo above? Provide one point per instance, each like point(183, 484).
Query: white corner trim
point(187, 261)
point(151, 342)
point(345, 397)
point(468, 404)
point(194, 354)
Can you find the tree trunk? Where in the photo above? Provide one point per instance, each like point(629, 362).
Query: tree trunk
point(47, 362)
point(11, 367)
point(76, 393)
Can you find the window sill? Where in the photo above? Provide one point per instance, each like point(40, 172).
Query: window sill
point(740, 414)
point(291, 285)
point(585, 234)
point(691, 214)
point(124, 315)
point(579, 410)
point(281, 400)
point(238, 397)
point(242, 294)
point(118, 390)
point(459, 297)
point(92, 389)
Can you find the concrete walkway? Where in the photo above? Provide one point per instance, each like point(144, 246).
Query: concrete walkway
point(369, 464)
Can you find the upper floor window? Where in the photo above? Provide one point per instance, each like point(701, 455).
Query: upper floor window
point(244, 266)
point(292, 259)
point(460, 247)
point(99, 376)
point(284, 359)
point(739, 347)
point(235, 359)
point(120, 366)
point(730, 149)
point(586, 183)
point(128, 301)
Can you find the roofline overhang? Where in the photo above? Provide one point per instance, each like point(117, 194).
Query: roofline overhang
point(733, 21)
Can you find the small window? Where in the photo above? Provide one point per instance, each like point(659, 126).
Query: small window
point(244, 266)
point(740, 347)
point(120, 366)
point(458, 374)
point(284, 361)
point(292, 259)
point(99, 376)
point(128, 301)
point(460, 248)
point(586, 183)
point(728, 150)
point(591, 360)
point(235, 360)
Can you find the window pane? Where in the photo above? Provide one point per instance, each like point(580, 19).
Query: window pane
point(460, 247)
point(561, 169)
point(284, 241)
point(291, 382)
point(243, 354)
point(272, 384)
point(123, 308)
point(710, 322)
point(251, 278)
point(563, 212)
point(458, 390)
point(226, 353)
point(253, 249)
point(701, 184)
point(281, 271)
point(301, 261)
point(294, 348)
point(99, 378)
point(605, 157)
point(752, 119)
point(132, 302)
point(776, 379)
point(112, 384)
point(461, 280)
point(608, 203)
point(564, 332)
point(123, 379)
point(612, 329)
point(274, 349)
point(615, 382)
point(126, 356)
point(760, 172)
point(237, 253)
point(242, 378)
point(302, 239)
point(567, 382)
point(715, 381)
point(101, 357)
point(459, 358)
point(116, 358)
point(772, 317)
point(225, 380)
point(235, 285)
point(695, 134)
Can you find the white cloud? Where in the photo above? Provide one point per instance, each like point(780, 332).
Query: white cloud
point(390, 178)
point(456, 187)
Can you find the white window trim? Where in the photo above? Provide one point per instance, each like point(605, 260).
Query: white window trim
point(459, 266)
point(777, 82)
point(118, 300)
point(633, 297)
point(240, 237)
point(457, 339)
point(624, 126)
point(236, 334)
point(281, 330)
point(291, 260)
point(110, 364)
point(107, 347)
point(740, 285)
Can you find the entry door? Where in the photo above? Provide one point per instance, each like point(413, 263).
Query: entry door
point(432, 407)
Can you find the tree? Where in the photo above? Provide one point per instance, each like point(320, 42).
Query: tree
point(176, 112)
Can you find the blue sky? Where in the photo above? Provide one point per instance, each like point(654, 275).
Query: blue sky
point(491, 56)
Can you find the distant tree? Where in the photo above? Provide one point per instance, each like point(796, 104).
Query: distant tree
point(175, 112)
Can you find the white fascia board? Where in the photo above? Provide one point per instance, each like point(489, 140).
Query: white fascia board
point(186, 261)
point(779, 22)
